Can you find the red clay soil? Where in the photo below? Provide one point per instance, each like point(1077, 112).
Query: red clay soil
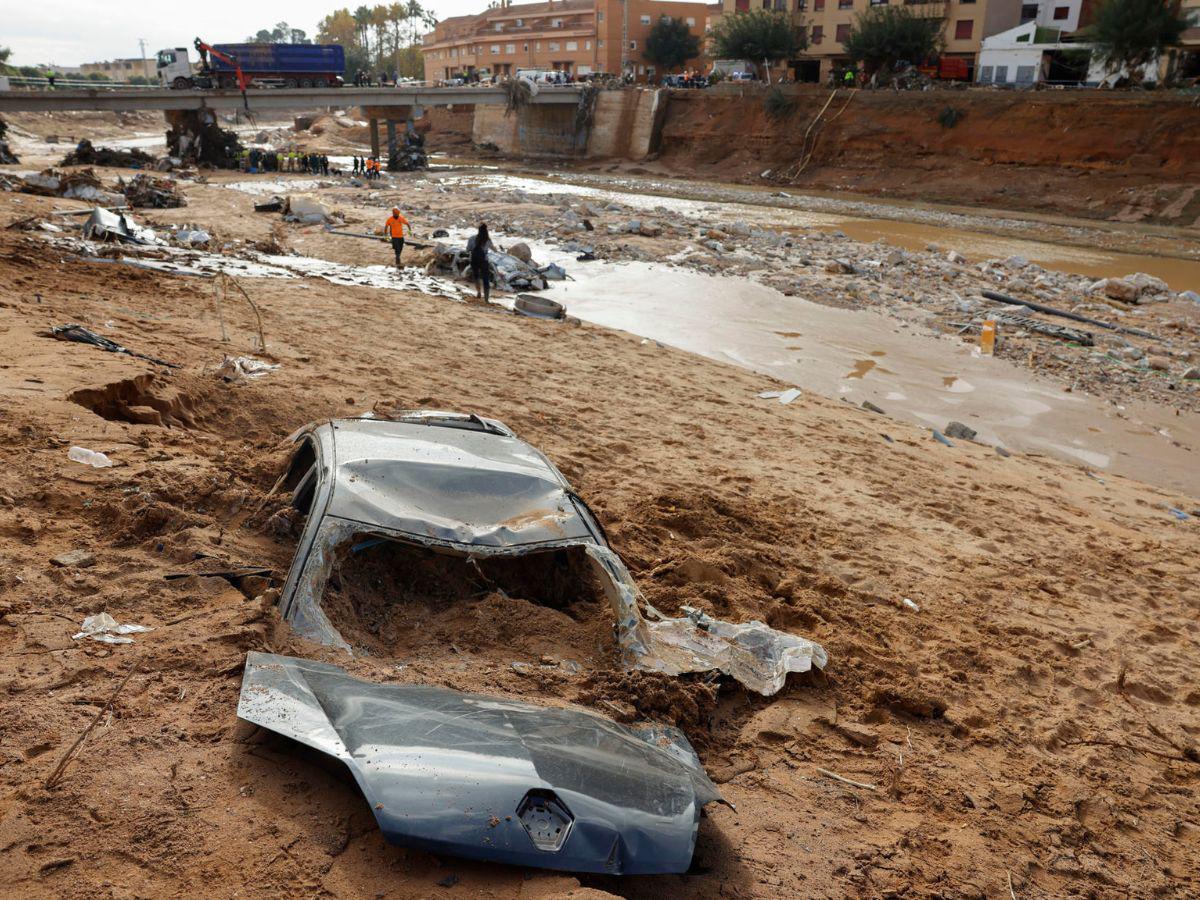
point(1034, 724)
point(1130, 157)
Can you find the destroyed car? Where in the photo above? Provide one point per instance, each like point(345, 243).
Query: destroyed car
point(490, 778)
point(458, 493)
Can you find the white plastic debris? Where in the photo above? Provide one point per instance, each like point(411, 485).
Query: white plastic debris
point(769, 395)
point(190, 234)
point(104, 628)
point(240, 368)
point(308, 210)
point(789, 395)
point(93, 458)
point(909, 604)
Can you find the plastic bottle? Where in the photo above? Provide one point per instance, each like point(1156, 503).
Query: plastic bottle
point(89, 457)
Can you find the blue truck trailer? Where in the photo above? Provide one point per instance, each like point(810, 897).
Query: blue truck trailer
point(264, 65)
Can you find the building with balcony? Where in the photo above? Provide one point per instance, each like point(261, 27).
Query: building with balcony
point(578, 37)
point(827, 23)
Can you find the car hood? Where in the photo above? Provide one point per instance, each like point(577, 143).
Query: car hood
point(490, 778)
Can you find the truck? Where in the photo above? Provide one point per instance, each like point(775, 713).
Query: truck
point(229, 66)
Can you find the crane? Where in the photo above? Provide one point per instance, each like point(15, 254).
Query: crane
point(242, 81)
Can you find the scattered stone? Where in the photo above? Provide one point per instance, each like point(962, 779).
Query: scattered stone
point(1159, 363)
point(960, 431)
point(650, 230)
point(521, 251)
point(74, 559)
point(955, 257)
point(839, 267)
point(1190, 296)
point(868, 405)
point(1192, 374)
point(1118, 289)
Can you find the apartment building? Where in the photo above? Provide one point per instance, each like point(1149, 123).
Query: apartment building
point(121, 69)
point(826, 24)
point(580, 37)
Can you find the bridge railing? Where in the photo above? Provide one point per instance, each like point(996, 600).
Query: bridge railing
point(22, 82)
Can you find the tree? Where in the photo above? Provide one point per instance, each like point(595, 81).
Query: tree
point(883, 35)
point(670, 44)
point(282, 33)
point(755, 35)
point(1127, 35)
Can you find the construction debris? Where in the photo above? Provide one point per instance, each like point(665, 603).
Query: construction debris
point(104, 628)
point(148, 192)
point(85, 154)
point(409, 154)
point(195, 137)
point(80, 335)
point(508, 272)
point(306, 210)
point(83, 185)
point(103, 225)
point(7, 157)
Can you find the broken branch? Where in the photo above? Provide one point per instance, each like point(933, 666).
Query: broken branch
point(858, 784)
point(62, 764)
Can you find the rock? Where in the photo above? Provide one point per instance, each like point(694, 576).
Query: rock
point(521, 252)
point(1016, 262)
point(1119, 289)
point(716, 234)
point(1192, 374)
point(634, 226)
point(741, 229)
point(839, 267)
point(961, 431)
point(895, 258)
point(859, 735)
point(1148, 284)
point(1159, 363)
point(955, 257)
point(715, 246)
point(650, 230)
point(1190, 296)
point(74, 559)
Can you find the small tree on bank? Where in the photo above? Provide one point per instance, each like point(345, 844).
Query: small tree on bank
point(883, 35)
point(670, 44)
point(757, 35)
point(1127, 35)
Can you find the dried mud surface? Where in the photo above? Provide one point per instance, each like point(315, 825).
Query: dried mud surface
point(1035, 721)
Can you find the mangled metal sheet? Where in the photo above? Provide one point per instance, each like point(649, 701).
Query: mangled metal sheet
point(103, 225)
point(466, 485)
point(489, 778)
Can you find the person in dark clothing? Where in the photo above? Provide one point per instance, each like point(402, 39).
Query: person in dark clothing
point(325, 164)
point(481, 273)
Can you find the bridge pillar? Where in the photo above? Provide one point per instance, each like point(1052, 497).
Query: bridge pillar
point(391, 138)
point(375, 138)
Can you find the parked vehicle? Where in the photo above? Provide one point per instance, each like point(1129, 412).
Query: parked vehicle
point(225, 66)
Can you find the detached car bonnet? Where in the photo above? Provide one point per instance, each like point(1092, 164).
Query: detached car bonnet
point(489, 778)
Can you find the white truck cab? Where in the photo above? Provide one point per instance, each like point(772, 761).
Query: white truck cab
point(174, 68)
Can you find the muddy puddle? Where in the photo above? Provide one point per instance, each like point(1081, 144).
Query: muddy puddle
point(896, 364)
point(919, 229)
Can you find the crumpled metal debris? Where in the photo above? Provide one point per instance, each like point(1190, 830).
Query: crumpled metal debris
point(508, 272)
point(104, 628)
point(472, 488)
point(491, 778)
point(85, 154)
point(83, 185)
point(410, 153)
point(104, 225)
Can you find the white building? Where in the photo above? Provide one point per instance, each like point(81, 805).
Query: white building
point(1032, 53)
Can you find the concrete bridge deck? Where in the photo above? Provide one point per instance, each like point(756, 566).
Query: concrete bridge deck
point(261, 99)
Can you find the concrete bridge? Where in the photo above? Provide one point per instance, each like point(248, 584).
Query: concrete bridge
point(263, 99)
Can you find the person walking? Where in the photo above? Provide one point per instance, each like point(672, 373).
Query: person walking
point(481, 273)
point(394, 228)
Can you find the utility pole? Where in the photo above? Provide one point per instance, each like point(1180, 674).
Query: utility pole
point(624, 35)
point(142, 45)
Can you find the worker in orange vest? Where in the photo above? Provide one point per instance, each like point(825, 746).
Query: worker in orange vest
point(394, 228)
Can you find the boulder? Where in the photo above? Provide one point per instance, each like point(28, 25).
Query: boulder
point(960, 431)
point(521, 252)
point(1118, 289)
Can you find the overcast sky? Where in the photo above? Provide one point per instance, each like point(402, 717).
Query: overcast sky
point(71, 32)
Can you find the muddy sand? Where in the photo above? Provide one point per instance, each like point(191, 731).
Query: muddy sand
point(1029, 729)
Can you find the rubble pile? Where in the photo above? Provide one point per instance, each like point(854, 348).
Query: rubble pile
point(195, 137)
point(7, 157)
point(82, 185)
point(410, 153)
point(85, 154)
point(508, 272)
point(147, 192)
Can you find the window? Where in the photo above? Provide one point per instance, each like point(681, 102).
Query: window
point(499, 26)
point(633, 45)
point(510, 49)
point(843, 32)
point(537, 45)
point(645, 20)
point(1061, 12)
point(845, 4)
point(1022, 38)
point(781, 5)
point(556, 23)
point(818, 33)
point(1001, 74)
point(600, 16)
point(879, 2)
point(553, 45)
point(495, 50)
point(985, 74)
point(572, 45)
point(587, 45)
point(1025, 74)
point(599, 45)
point(818, 5)
point(1029, 12)
point(691, 22)
point(963, 29)
point(520, 23)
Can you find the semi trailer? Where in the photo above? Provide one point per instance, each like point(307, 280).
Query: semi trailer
point(238, 66)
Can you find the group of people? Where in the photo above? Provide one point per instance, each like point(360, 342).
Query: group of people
point(367, 166)
point(256, 160)
point(478, 246)
point(364, 79)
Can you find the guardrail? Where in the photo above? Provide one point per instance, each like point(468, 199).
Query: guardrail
point(19, 82)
